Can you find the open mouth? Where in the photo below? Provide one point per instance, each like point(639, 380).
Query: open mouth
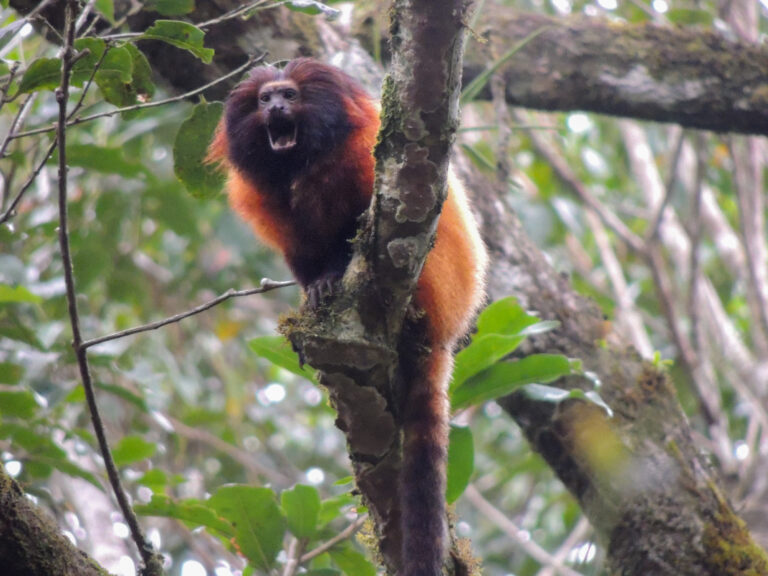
point(282, 134)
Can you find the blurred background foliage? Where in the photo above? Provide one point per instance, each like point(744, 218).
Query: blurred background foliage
point(192, 407)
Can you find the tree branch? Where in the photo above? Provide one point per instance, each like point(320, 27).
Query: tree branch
point(695, 78)
point(152, 562)
point(266, 286)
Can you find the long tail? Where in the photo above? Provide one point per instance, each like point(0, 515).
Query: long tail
point(422, 479)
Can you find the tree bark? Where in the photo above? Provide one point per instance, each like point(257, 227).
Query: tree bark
point(31, 544)
point(692, 77)
point(355, 340)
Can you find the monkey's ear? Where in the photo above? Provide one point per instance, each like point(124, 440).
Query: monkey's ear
point(218, 150)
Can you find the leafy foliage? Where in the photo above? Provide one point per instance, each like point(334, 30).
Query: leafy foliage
point(219, 399)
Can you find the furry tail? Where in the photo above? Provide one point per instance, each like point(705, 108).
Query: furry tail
point(422, 479)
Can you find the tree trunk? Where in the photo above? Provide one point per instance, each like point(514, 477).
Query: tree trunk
point(31, 544)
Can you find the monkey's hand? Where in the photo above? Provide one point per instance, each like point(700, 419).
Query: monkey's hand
point(321, 288)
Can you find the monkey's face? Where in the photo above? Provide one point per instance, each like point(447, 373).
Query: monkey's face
point(278, 105)
point(281, 122)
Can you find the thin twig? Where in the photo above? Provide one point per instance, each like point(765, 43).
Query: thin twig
point(7, 86)
point(87, 86)
point(18, 120)
point(348, 532)
point(252, 60)
point(579, 532)
point(509, 528)
point(11, 43)
point(627, 314)
point(293, 556)
point(669, 186)
point(84, 13)
point(8, 214)
point(748, 182)
point(694, 232)
point(266, 286)
point(234, 13)
point(62, 97)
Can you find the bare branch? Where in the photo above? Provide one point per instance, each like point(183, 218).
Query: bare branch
point(348, 532)
point(515, 534)
point(10, 211)
point(152, 562)
point(683, 75)
point(266, 286)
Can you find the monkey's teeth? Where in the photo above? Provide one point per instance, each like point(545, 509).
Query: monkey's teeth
point(282, 138)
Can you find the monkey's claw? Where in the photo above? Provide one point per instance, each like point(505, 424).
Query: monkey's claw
point(321, 289)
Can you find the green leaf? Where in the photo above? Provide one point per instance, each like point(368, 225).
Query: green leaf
point(352, 562)
point(170, 7)
point(95, 47)
point(182, 35)
point(556, 395)
point(255, 515)
point(114, 77)
point(461, 462)
point(190, 148)
point(155, 479)
point(18, 403)
point(501, 327)
point(483, 352)
point(101, 159)
point(504, 377)
point(504, 316)
point(278, 350)
point(132, 449)
point(17, 294)
point(331, 508)
point(86, 64)
point(192, 512)
point(43, 73)
point(10, 373)
point(301, 505)
point(141, 83)
point(106, 8)
point(313, 7)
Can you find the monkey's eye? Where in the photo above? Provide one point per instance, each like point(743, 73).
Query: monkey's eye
point(291, 94)
point(264, 98)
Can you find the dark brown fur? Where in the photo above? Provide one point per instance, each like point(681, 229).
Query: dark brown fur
point(304, 202)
